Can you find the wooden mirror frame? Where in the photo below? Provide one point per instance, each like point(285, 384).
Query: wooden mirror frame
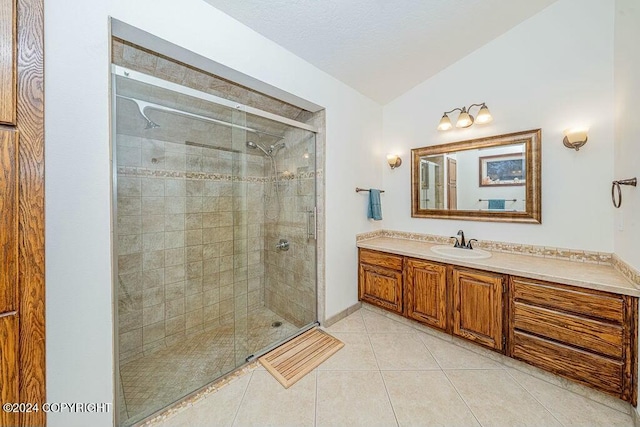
point(533, 193)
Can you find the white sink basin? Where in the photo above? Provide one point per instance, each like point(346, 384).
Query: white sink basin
point(459, 253)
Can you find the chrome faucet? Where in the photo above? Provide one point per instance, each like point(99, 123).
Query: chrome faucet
point(461, 243)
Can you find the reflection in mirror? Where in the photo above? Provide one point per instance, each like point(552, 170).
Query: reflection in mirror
point(492, 179)
point(487, 179)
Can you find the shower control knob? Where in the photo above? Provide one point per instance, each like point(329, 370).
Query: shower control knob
point(282, 245)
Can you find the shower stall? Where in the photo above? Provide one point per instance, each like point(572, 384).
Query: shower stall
point(215, 232)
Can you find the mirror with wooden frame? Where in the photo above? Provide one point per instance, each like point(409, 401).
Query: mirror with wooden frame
point(496, 178)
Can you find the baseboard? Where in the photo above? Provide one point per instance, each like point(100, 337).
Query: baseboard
point(344, 313)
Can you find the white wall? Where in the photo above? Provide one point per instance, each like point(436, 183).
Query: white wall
point(627, 129)
point(79, 303)
point(78, 247)
point(553, 71)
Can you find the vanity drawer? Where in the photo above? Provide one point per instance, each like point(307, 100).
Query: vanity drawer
point(600, 337)
point(569, 299)
point(380, 259)
point(591, 369)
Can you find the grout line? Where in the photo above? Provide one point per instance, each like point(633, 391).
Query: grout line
point(462, 398)
point(450, 382)
point(242, 400)
point(384, 383)
point(429, 351)
point(534, 398)
point(472, 369)
point(315, 403)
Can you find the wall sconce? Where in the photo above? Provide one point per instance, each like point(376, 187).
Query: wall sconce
point(575, 138)
point(465, 119)
point(394, 160)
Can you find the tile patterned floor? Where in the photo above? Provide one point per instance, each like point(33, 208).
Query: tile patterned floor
point(156, 380)
point(390, 374)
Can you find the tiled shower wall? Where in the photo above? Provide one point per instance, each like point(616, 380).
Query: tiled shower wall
point(290, 277)
point(189, 240)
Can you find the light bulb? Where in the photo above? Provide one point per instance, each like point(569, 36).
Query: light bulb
point(484, 116)
point(445, 123)
point(464, 120)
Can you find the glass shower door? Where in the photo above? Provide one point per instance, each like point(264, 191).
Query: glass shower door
point(214, 221)
point(288, 270)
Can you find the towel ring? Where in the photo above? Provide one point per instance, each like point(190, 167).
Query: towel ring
point(616, 186)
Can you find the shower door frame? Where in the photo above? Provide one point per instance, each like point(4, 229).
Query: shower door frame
point(116, 71)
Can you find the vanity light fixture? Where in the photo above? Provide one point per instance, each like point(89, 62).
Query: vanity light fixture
point(394, 160)
point(465, 119)
point(575, 137)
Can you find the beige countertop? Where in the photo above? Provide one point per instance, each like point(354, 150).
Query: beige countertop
point(586, 275)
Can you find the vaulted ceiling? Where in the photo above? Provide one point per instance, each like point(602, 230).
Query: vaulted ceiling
point(381, 48)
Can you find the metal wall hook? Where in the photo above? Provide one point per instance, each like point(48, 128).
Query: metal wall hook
point(616, 185)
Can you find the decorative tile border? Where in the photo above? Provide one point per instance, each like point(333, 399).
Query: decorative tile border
point(517, 248)
point(626, 270)
point(198, 395)
point(368, 235)
point(288, 176)
point(160, 173)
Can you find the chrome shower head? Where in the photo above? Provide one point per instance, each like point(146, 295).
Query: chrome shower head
point(253, 146)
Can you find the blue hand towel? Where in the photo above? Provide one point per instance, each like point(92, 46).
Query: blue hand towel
point(375, 208)
point(496, 204)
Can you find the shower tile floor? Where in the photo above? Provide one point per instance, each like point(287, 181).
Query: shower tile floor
point(156, 380)
point(392, 374)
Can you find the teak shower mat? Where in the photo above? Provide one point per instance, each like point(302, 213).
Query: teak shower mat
point(296, 358)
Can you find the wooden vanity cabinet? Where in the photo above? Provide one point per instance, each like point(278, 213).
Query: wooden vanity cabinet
point(477, 305)
point(380, 279)
point(581, 334)
point(585, 335)
point(426, 292)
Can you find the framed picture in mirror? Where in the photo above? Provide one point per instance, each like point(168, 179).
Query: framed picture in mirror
point(502, 170)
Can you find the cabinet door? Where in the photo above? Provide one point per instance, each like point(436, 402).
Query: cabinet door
point(426, 292)
point(381, 286)
point(477, 307)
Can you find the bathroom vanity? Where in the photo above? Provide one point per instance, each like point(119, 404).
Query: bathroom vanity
point(577, 320)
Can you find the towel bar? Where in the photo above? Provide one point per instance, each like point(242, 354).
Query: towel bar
point(358, 189)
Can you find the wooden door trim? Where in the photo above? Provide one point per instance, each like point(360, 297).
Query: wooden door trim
point(31, 265)
point(8, 9)
point(8, 219)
